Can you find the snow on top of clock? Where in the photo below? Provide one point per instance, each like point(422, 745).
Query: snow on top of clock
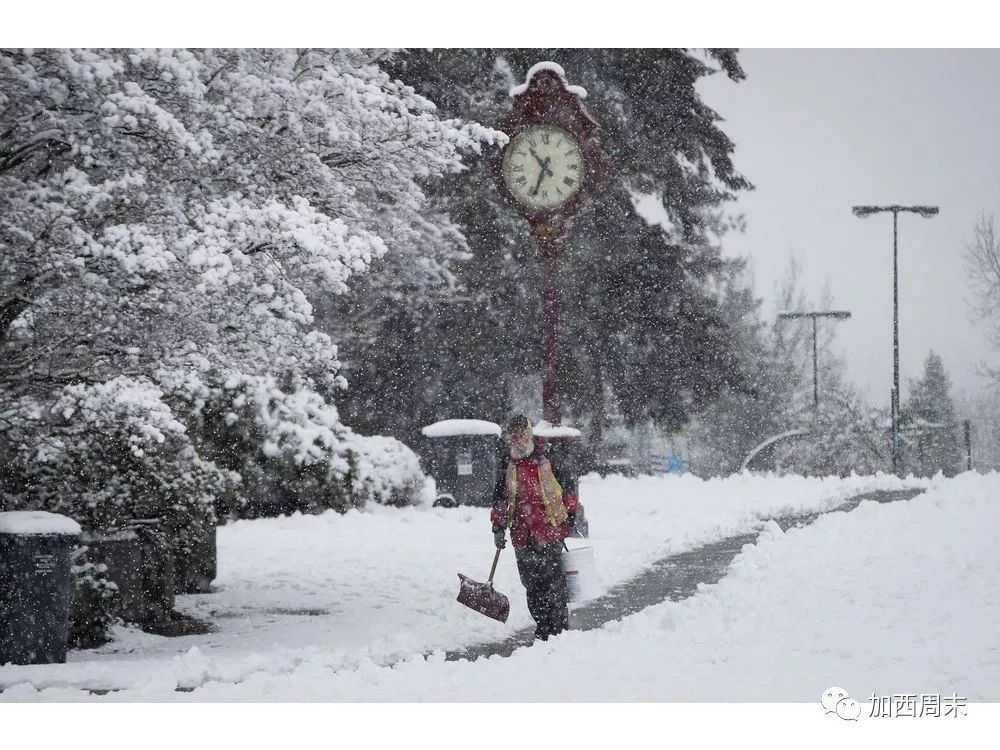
point(556, 68)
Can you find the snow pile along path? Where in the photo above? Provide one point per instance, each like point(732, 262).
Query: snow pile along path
point(898, 598)
point(338, 592)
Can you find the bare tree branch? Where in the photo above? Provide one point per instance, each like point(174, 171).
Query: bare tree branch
point(982, 266)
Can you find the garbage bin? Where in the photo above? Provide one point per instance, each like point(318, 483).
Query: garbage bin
point(463, 460)
point(35, 549)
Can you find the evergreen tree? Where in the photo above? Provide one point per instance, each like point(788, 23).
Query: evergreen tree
point(930, 396)
point(928, 417)
point(642, 305)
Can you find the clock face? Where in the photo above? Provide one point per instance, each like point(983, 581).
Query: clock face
point(543, 167)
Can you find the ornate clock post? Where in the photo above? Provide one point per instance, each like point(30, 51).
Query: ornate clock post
point(552, 165)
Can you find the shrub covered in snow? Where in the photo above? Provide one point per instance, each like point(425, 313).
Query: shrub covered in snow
point(843, 437)
point(388, 472)
point(109, 453)
point(289, 448)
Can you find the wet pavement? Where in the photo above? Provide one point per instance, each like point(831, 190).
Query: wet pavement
point(673, 578)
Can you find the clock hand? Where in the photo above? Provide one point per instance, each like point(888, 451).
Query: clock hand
point(543, 163)
point(541, 176)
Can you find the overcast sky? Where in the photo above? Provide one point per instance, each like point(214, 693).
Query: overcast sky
point(819, 131)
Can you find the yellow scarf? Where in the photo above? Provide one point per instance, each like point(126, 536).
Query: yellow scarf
point(549, 486)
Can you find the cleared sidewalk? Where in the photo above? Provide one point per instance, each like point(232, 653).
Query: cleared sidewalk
point(673, 578)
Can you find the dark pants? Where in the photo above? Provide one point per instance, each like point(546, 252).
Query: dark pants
point(541, 573)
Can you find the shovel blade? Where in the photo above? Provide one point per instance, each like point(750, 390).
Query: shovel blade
point(483, 598)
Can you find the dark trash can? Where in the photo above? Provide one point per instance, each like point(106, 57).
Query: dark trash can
point(140, 561)
point(35, 549)
point(463, 456)
point(196, 566)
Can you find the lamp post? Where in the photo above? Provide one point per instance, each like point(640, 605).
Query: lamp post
point(864, 212)
point(814, 314)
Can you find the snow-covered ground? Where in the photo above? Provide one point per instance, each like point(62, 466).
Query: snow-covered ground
point(890, 598)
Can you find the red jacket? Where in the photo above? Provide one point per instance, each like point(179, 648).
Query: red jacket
point(530, 518)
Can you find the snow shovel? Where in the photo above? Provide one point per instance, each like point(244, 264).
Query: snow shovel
point(482, 597)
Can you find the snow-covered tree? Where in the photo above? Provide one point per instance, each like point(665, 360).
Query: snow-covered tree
point(982, 266)
point(931, 435)
point(982, 411)
point(930, 396)
point(844, 434)
point(170, 213)
point(188, 204)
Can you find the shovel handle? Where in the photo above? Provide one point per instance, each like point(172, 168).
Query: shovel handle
point(496, 559)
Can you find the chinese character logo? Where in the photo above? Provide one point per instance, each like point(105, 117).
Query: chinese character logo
point(835, 700)
point(913, 705)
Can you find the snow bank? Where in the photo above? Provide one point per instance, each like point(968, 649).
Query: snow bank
point(897, 598)
point(302, 596)
point(636, 521)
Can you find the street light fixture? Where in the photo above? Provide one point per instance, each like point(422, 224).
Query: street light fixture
point(836, 315)
point(864, 212)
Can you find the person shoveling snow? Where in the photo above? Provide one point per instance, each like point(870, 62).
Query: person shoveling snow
point(530, 501)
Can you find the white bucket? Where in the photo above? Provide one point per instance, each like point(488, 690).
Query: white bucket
point(581, 574)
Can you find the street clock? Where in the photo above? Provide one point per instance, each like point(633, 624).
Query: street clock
point(553, 163)
point(550, 168)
